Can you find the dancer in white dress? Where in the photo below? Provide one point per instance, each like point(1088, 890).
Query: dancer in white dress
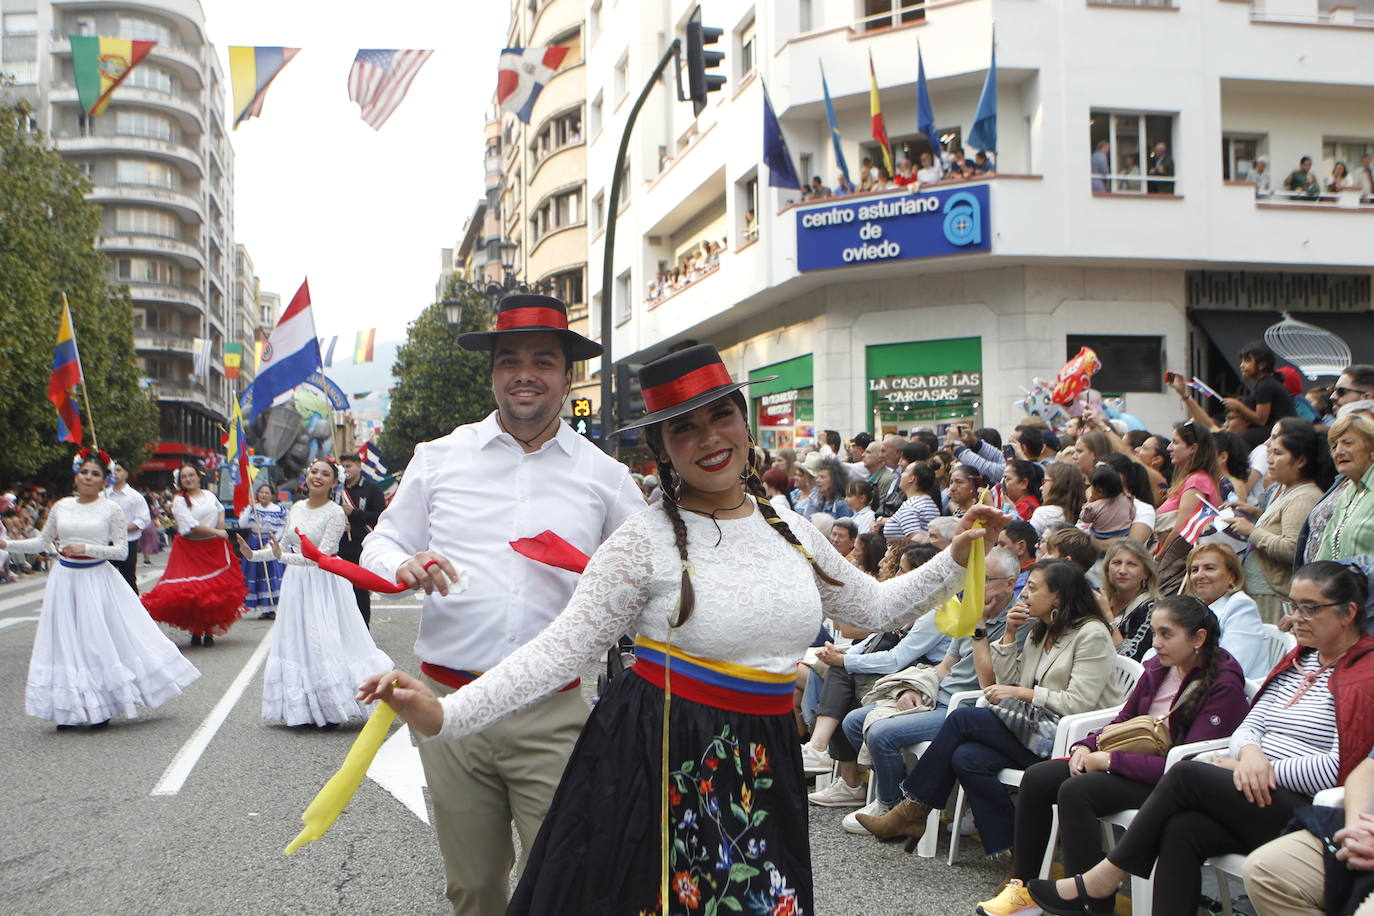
point(97, 653)
point(320, 648)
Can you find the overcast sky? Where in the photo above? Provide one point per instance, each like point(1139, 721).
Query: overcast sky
point(320, 194)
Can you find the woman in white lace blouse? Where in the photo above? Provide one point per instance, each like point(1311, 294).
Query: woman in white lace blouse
point(97, 653)
point(725, 591)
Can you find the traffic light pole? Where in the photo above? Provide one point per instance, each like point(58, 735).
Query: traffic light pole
point(608, 255)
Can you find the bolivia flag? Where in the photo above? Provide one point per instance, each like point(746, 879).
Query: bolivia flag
point(362, 350)
point(100, 64)
point(875, 110)
point(251, 71)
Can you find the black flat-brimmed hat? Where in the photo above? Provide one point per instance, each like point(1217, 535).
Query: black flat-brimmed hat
point(521, 313)
point(683, 381)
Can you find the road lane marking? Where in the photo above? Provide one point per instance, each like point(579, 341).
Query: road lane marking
point(177, 772)
point(11, 621)
point(397, 769)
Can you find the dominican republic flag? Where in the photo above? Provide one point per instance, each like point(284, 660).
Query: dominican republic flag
point(1198, 522)
point(521, 76)
point(374, 466)
point(290, 356)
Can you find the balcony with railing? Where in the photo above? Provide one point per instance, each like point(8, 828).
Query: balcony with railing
point(186, 62)
point(107, 141)
point(186, 109)
point(189, 298)
point(187, 205)
point(187, 253)
point(149, 340)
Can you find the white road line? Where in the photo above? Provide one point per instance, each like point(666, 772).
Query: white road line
point(400, 607)
point(11, 621)
point(177, 772)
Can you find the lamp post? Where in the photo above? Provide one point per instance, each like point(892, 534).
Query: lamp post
point(492, 291)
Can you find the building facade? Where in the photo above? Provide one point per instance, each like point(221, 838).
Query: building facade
point(162, 169)
point(910, 307)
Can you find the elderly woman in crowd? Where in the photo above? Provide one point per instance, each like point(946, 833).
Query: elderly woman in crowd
point(1061, 497)
point(1193, 681)
point(828, 493)
point(1065, 667)
point(1307, 730)
point(1215, 576)
point(1130, 589)
point(1350, 531)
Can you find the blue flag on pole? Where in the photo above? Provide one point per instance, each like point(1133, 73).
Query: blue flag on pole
point(983, 135)
point(925, 114)
point(781, 172)
point(834, 127)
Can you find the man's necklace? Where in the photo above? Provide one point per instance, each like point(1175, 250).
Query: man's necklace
point(525, 442)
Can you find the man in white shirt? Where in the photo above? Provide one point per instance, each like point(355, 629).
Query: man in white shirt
point(136, 518)
point(518, 472)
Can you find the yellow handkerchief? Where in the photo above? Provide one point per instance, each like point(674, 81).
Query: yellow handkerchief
point(959, 617)
point(326, 807)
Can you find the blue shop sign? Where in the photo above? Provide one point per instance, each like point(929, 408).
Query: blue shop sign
point(900, 227)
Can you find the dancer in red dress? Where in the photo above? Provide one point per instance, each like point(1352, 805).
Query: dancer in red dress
point(202, 590)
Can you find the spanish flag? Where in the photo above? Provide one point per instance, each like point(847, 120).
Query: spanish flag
point(100, 64)
point(251, 71)
point(362, 350)
point(875, 110)
point(66, 374)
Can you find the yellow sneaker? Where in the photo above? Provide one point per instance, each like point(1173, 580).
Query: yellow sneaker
point(1014, 899)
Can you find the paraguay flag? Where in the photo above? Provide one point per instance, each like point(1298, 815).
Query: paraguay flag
point(66, 374)
point(290, 356)
point(521, 76)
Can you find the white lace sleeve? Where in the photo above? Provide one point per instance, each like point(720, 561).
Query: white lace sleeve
point(44, 543)
point(116, 530)
point(872, 605)
point(605, 604)
point(334, 526)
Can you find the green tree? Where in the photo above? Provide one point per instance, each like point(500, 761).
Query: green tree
point(439, 385)
point(47, 236)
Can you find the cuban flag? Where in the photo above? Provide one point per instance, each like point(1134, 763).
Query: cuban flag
point(290, 356)
point(374, 466)
point(1198, 522)
point(521, 76)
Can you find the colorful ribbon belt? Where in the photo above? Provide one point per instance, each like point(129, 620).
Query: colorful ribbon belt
point(721, 685)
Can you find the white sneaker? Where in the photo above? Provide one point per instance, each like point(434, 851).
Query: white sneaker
point(839, 794)
point(851, 820)
point(814, 761)
point(966, 825)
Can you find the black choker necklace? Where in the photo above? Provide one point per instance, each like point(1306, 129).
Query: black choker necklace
point(525, 442)
point(744, 497)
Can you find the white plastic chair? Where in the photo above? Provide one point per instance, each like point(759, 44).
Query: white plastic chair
point(1280, 643)
point(1071, 728)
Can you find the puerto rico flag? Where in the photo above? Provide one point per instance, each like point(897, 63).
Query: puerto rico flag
point(291, 355)
point(1198, 522)
point(521, 76)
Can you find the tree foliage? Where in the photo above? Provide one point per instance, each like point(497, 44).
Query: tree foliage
point(47, 236)
point(439, 385)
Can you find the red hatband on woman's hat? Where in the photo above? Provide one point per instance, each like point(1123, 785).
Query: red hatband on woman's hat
point(683, 381)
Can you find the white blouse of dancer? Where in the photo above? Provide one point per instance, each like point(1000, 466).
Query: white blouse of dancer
point(758, 603)
point(264, 520)
point(321, 649)
point(97, 653)
point(204, 510)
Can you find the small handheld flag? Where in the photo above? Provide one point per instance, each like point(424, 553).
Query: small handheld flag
point(379, 80)
point(1199, 385)
point(251, 71)
point(521, 76)
point(99, 65)
point(66, 374)
point(1198, 522)
point(374, 465)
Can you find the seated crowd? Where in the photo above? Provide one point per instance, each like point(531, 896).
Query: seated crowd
point(1100, 598)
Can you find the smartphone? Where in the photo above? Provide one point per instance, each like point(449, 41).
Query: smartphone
point(1170, 376)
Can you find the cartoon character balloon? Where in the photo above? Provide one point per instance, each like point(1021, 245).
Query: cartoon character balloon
point(1075, 377)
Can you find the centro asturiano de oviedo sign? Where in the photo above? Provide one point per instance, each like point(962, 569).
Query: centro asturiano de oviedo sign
point(898, 227)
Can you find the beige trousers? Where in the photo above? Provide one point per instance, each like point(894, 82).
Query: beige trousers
point(480, 784)
point(1284, 877)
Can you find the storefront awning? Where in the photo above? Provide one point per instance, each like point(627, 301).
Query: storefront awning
point(1231, 330)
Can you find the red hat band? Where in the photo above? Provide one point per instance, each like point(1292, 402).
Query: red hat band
point(685, 387)
point(532, 317)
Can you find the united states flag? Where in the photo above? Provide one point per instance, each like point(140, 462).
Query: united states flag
point(379, 79)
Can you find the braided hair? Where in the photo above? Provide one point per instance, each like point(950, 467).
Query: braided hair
point(671, 482)
point(1192, 614)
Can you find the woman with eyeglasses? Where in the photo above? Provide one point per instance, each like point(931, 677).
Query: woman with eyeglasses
point(1306, 731)
point(1196, 479)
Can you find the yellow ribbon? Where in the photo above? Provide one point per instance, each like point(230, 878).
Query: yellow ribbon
point(959, 617)
point(326, 806)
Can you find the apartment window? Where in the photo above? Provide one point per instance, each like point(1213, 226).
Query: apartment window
point(1238, 154)
point(557, 212)
point(568, 287)
point(141, 221)
point(622, 298)
point(884, 14)
point(1130, 137)
point(146, 270)
point(143, 124)
point(149, 76)
point(806, 161)
point(747, 206)
point(86, 168)
point(594, 115)
point(23, 72)
point(145, 172)
point(593, 22)
point(805, 17)
point(745, 45)
point(1348, 151)
point(1130, 362)
point(572, 40)
point(21, 24)
point(144, 30)
point(621, 84)
point(557, 132)
point(599, 211)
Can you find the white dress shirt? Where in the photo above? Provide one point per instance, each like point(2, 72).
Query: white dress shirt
point(467, 496)
point(135, 508)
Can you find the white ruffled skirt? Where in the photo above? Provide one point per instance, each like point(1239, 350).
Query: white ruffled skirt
point(97, 653)
point(320, 652)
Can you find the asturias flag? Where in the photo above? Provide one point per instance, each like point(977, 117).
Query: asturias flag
point(290, 356)
point(521, 75)
point(100, 64)
point(875, 111)
point(66, 374)
point(251, 71)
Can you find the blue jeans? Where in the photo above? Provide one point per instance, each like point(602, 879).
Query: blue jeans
point(972, 746)
point(885, 740)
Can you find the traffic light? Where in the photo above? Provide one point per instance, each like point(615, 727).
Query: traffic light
point(699, 60)
point(582, 407)
point(629, 400)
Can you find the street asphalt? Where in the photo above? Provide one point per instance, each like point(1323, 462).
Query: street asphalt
point(84, 833)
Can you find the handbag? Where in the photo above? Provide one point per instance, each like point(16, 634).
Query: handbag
point(1034, 726)
point(1145, 734)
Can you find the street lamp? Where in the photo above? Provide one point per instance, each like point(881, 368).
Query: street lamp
point(493, 291)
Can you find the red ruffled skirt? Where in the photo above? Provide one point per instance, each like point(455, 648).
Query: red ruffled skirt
point(202, 590)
